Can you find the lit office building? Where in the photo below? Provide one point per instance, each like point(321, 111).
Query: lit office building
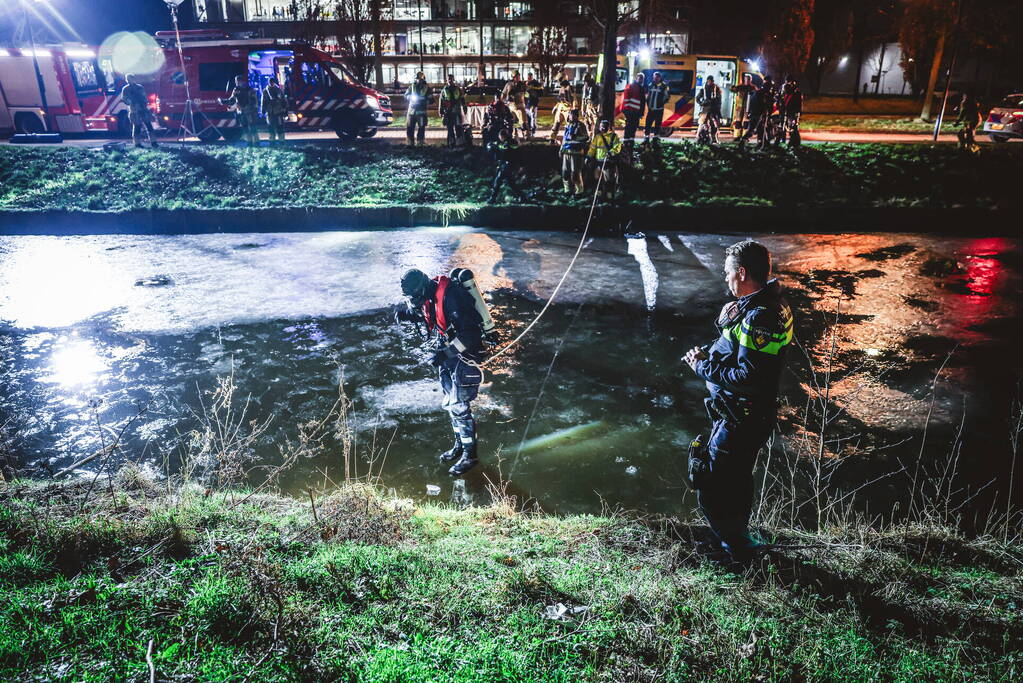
point(441, 37)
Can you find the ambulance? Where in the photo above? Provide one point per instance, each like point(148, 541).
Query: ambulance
point(78, 93)
point(685, 75)
point(322, 93)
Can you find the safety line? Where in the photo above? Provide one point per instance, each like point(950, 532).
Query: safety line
point(582, 243)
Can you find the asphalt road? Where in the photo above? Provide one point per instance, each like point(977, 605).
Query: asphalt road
point(438, 135)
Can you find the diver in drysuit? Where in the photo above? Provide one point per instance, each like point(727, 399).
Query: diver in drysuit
point(452, 306)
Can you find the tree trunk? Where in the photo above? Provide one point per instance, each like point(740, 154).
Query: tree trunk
point(880, 67)
point(378, 63)
point(932, 80)
point(607, 90)
point(859, 73)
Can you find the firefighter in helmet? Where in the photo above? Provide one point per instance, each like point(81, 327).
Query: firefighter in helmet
point(244, 101)
point(134, 95)
point(455, 317)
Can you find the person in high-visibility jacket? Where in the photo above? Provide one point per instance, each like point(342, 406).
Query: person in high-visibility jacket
point(633, 103)
point(605, 145)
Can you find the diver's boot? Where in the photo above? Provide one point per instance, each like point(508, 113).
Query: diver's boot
point(454, 453)
point(466, 462)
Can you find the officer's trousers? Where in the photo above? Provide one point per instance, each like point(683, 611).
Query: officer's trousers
point(275, 122)
point(460, 383)
point(654, 118)
point(724, 489)
point(416, 120)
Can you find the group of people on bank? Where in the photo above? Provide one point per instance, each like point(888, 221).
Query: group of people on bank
point(741, 367)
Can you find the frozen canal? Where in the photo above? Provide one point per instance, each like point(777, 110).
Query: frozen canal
point(594, 406)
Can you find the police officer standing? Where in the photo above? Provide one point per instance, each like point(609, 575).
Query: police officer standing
point(742, 369)
point(418, 98)
point(534, 91)
point(449, 310)
point(134, 95)
point(244, 101)
point(504, 151)
point(452, 109)
point(562, 108)
point(656, 98)
point(969, 118)
point(275, 107)
point(709, 97)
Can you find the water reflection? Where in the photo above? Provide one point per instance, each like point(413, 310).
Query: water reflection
point(596, 404)
point(75, 363)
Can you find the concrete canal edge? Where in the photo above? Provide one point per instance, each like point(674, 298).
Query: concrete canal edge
point(952, 221)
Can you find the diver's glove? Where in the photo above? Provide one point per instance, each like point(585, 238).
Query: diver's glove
point(404, 313)
point(441, 355)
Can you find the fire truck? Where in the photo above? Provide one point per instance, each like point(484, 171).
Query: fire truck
point(322, 93)
point(79, 94)
point(685, 74)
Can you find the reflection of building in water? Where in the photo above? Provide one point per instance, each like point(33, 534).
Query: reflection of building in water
point(446, 37)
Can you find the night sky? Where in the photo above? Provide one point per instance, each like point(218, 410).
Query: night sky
point(93, 19)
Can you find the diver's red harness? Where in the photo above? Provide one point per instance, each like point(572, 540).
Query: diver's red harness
point(434, 312)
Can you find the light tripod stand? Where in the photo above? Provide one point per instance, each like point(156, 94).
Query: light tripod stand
point(190, 111)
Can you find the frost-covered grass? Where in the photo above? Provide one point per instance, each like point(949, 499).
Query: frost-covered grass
point(378, 173)
point(377, 589)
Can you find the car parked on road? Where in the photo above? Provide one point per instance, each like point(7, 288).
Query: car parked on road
point(1006, 119)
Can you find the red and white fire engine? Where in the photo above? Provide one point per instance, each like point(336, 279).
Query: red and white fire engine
point(322, 93)
point(81, 91)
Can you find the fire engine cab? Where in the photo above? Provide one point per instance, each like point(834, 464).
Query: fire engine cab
point(322, 93)
point(79, 92)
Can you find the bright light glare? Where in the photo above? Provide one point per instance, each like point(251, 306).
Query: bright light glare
point(75, 363)
point(4, 53)
point(36, 53)
point(79, 52)
point(844, 60)
point(754, 65)
point(136, 53)
point(644, 54)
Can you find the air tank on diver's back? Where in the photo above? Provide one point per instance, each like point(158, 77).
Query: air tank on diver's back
point(464, 277)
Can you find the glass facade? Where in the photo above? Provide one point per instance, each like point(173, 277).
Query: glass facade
point(441, 37)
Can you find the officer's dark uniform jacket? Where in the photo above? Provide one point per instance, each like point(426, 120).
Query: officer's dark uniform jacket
point(745, 362)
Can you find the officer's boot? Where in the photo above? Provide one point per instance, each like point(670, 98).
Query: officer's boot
point(467, 439)
point(454, 453)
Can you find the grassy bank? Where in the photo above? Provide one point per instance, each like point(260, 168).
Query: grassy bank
point(215, 586)
point(382, 174)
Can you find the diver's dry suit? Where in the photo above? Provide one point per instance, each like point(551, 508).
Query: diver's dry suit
point(450, 310)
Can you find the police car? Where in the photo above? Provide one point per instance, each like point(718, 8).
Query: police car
point(1006, 119)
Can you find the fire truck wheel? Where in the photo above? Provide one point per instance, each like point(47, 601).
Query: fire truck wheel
point(231, 135)
point(368, 133)
point(28, 123)
point(665, 131)
point(346, 134)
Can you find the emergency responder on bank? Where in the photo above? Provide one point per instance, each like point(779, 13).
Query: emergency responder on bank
point(633, 103)
point(134, 95)
point(603, 155)
point(275, 107)
point(448, 309)
point(418, 97)
point(573, 154)
point(656, 98)
point(742, 369)
point(244, 101)
point(451, 108)
point(709, 99)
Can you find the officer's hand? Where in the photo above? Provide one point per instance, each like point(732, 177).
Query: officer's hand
point(694, 356)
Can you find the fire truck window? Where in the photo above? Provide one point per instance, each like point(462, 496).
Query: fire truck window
point(339, 73)
point(85, 76)
point(219, 76)
point(313, 75)
point(107, 67)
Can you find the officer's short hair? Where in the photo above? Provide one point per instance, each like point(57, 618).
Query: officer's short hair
point(753, 256)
